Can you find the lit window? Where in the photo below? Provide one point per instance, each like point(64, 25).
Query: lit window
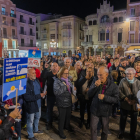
point(5, 44)
point(45, 45)
point(14, 44)
point(132, 12)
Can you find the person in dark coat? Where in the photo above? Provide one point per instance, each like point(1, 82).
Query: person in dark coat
point(63, 88)
point(83, 85)
point(131, 63)
point(33, 103)
point(7, 123)
point(87, 64)
point(128, 87)
point(104, 92)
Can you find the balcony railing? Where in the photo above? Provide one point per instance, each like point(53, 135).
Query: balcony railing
point(22, 32)
point(31, 34)
point(66, 27)
point(31, 23)
point(22, 20)
point(85, 27)
point(44, 31)
point(4, 22)
point(38, 38)
point(12, 15)
point(13, 24)
point(4, 36)
point(104, 42)
point(14, 37)
point(27, 45)
point(133, 41)
point(4, 13)
point(43, 38)
point(87, 43)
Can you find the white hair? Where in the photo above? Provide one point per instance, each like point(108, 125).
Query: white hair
point(28, 70)
point(67, 58)
point(79, 63)
point(130, 69)
point(105, 69)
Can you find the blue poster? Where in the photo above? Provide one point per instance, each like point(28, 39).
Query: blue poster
point(34, 54)
point(14, 77)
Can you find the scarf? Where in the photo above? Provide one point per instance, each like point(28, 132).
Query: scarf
point(130, 81)
point(67, 83)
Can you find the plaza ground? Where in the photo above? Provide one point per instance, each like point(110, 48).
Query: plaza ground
point(79, 134)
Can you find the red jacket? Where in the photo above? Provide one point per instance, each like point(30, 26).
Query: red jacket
point(109, 65)
point(38, 76)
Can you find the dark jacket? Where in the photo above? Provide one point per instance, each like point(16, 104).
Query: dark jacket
point(63, 97)
point(131, 64)
point(124, 88)
point(31, 98)
point(103, 108)
point(6, 125)
point(112, 68)
point(83, 73)
point(44, 76)
point(80, 84)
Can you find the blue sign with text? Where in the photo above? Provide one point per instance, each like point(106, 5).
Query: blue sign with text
point(14, 77)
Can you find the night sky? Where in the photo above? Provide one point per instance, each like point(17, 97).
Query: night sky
point(80, 8)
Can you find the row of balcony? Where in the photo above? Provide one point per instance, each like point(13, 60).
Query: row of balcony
point(7, 23)
point(24, 21)
point(6, 14)
point(27, 45)
point(8, 37)
point(24, 33)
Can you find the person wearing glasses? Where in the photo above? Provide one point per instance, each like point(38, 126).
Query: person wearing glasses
point(63, 88)
point(83, 86)
point(104, 93)
point(128, 87)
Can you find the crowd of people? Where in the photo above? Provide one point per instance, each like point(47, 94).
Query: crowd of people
point(103, 87)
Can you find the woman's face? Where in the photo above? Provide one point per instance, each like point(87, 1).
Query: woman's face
point(138, 67)
point(65, 74)
point(130, 75)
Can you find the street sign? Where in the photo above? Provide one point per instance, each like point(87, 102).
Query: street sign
point(64, 51)
point(14, 77)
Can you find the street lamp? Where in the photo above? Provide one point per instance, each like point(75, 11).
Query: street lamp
point(127, 20)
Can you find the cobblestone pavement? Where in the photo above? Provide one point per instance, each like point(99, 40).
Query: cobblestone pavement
point(79, 134)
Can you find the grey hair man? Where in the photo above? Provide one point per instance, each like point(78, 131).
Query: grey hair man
point(104, 92)
point(128, 87)
point(33, 101)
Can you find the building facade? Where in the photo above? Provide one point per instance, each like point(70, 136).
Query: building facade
point(59, 34)
point(112, 32)
point(26, 29)
point(8, 25)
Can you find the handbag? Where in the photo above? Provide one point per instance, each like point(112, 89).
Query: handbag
point(135, 107)
point(73, 97)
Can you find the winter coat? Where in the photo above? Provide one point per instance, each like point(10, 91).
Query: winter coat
point(103, 108)
point(31, 98)
point(63, 96)
point(81, 82)
point(124, 88)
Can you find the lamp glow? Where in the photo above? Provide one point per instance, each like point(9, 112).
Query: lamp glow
point(127, 19)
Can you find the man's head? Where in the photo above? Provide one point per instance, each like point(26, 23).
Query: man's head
point(77, 56)
point(130, 73)
point(54, 67)
point(98, 59)
point(132, 59)
point(73, 55)
point(87, 64)
point(118, 55)
point(109, 56)
point(67, 61)
point(102, 74)
point(89, 72)
point(78, 65)
point(92, 65)
point(116, 62)
point(31, 74)
point(123, 62)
